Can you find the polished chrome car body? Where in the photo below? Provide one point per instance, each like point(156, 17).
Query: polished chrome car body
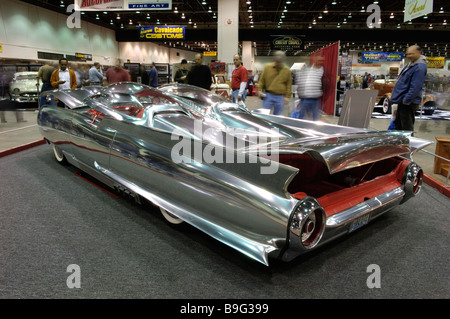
point(23, 87)
point(328, 180)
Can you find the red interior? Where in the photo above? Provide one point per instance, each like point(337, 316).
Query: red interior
point(135, 111)
point(344, 189)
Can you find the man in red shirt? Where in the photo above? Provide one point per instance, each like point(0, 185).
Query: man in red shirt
point(239, 80)
point(117, 74)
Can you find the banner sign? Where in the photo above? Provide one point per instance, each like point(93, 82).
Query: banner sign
point(162, 33)
point(436, 62)
point(417, 8)
point(83, 56)
point(209, 53)
point(122, 5)
point(287, 43)
point(382, 56)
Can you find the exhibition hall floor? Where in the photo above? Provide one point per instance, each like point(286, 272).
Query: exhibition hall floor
point(53, 217)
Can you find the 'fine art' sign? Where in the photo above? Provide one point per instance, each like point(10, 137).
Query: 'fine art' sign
point(122, 5)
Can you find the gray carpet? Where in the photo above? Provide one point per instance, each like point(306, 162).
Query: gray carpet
point(50, 219)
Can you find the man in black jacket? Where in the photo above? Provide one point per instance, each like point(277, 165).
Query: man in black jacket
point(200, 75)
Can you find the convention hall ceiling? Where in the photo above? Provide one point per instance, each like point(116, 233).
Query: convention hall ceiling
point(319, 23)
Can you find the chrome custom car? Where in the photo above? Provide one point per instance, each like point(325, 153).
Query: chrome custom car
point(23, 87)
point(268, 186)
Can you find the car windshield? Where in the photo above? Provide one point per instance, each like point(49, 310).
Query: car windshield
point(198, 95)
point(21, 77)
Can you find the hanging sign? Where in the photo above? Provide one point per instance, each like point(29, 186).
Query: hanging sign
point(382, 56)
point(122, 5)
point(162, 33)
point(286, 43)
point(417, 8)
point(436, 62)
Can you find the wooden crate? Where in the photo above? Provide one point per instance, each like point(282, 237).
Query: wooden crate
point(442, 149)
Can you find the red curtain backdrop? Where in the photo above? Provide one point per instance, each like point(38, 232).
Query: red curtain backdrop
point(331, 54)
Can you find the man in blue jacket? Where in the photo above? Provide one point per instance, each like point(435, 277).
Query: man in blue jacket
point(407, 92)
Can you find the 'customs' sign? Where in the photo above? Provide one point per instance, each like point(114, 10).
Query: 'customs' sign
point(162, 33)
point(417, 8)
point(122, 5)
point(287, 43)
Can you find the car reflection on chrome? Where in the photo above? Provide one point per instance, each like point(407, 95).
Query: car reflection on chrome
point(23, 87)
point(268, 186)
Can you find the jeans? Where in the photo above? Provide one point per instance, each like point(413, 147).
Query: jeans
point(309, 106)
point(46, 86)
point(405, 117)
point(235, 93)
point(275, 101)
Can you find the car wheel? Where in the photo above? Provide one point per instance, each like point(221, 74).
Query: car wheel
point(172, 219)
point(386, 107)
point(60, 158)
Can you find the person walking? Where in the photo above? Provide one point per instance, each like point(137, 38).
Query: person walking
point(96, 74)
point(275, 84)
point(407, 92)
point(200, 75)
point(117, 73)
point(44, 74)
point(239, 79)
point(310, 85)
point(182, 72)
point(153, 76)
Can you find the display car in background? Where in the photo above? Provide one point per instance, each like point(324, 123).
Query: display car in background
point(267, 186)
point(384, 105)
point(23, 87)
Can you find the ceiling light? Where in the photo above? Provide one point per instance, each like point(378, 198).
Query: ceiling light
point(111, 22)
point(210, 11)
point(62, 4)
point(131, 22)
point(349, 15)
point(334, 2)
point(97, 17)
point(288, 2)
point(203, 2)
point(176, 10)
point(249, 2)
point(430, 27)
point(148, 16)
point(362, 9)
point(425, 17)
point(392, 15)
point(118, 17)
point(441, 11)
point(445, 22)
point(326, 10)
point(182, 16)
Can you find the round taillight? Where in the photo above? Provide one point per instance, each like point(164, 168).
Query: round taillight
point(312, 229)
point(308, 222)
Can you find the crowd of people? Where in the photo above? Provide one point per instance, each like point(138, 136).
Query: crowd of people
point(274, 82)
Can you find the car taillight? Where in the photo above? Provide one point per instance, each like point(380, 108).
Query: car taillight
point(412, 180)
point(308, 222)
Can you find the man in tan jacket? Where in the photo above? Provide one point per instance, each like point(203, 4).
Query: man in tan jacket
point(275, 84)
point(63, 78)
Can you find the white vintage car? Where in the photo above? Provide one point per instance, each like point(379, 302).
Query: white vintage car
point(23, 87)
